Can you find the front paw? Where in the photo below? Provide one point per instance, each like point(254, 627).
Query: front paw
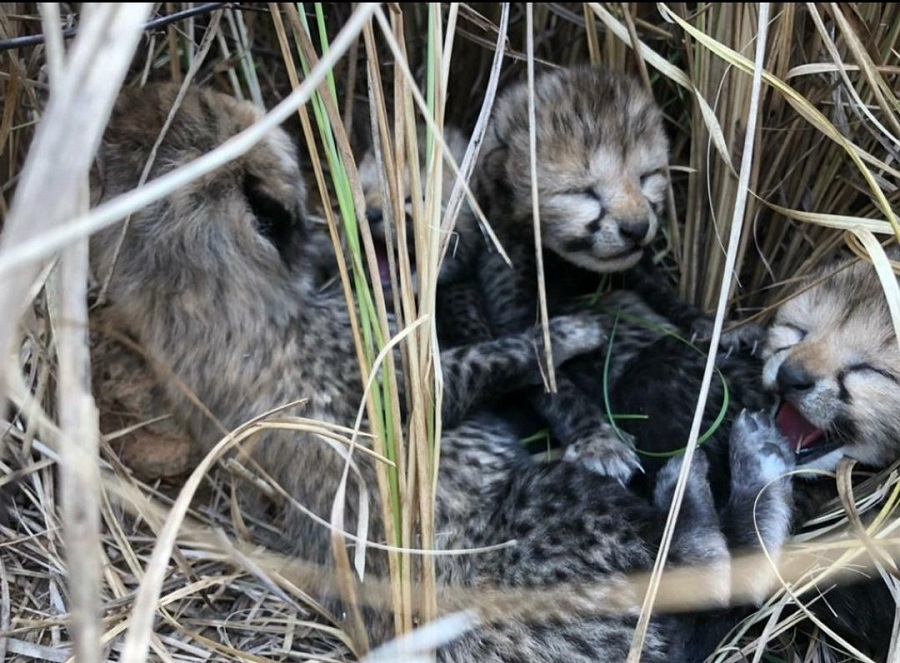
point(759, 451)
point(605, 452)
point(761, 505)
point(735, 337)
point(573, 335)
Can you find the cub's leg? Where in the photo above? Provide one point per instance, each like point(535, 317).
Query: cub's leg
point(477, 373)
point(574, 419)
point(646, 279)
point(584, 430)
point(758, 513)
point(698, 539)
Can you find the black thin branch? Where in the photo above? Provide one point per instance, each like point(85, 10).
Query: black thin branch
point(33, 40)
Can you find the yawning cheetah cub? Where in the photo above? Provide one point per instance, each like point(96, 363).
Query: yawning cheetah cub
point(832, 356)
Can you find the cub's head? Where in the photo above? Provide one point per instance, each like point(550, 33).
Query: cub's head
point(455, 141)
point(602, 159)
point(832, 355)
point(234, 235)
point(466, 238)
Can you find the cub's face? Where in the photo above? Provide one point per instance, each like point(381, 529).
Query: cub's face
point(455, 141)
point(833, 357)
point(602, 158)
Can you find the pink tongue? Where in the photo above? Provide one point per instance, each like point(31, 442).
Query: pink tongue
point(799, 432)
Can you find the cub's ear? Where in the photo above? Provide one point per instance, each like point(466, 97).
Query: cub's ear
point(282, 224)
point(274, 220)
point(893, 252)
point(496, 158)
point(494, 174)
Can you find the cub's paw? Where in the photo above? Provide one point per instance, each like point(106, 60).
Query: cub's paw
point(573, 335)
point(605, 452)
point(745, 336)
point(698, 538)
point(697, 488)
point(759, 451)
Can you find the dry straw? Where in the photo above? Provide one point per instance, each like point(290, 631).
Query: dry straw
point(759, 199)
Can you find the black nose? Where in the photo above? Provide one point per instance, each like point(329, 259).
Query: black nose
point(792, 377)
point(636, 231)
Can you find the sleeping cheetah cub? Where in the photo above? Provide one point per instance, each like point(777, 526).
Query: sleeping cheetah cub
point(213, 282)
point(601, 165)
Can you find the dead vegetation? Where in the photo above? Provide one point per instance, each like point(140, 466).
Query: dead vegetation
point(822, 172)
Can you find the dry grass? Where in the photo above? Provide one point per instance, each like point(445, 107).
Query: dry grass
point(821, 172)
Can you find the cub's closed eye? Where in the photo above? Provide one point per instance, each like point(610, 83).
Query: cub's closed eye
point(579, 195)
point(872, 370)
point(658, 173)
point(794, 328)
point(593, 196)
point(787, 334)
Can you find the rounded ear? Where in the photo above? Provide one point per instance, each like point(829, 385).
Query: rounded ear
point(495, 160)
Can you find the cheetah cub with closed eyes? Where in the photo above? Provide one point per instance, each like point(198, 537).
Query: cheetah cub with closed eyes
point(601, 163)
point(831, 355)
point(832, 358)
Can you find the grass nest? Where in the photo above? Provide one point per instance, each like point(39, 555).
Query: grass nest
point(107, 552)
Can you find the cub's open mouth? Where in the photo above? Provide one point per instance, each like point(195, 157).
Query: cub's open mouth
point(381, 252)
point(807, 441)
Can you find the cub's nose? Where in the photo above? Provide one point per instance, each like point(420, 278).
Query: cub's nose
point(636, 231)
point(792, 377)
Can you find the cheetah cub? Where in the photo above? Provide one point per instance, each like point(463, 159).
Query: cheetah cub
point(832, 357)
point(601, 164)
